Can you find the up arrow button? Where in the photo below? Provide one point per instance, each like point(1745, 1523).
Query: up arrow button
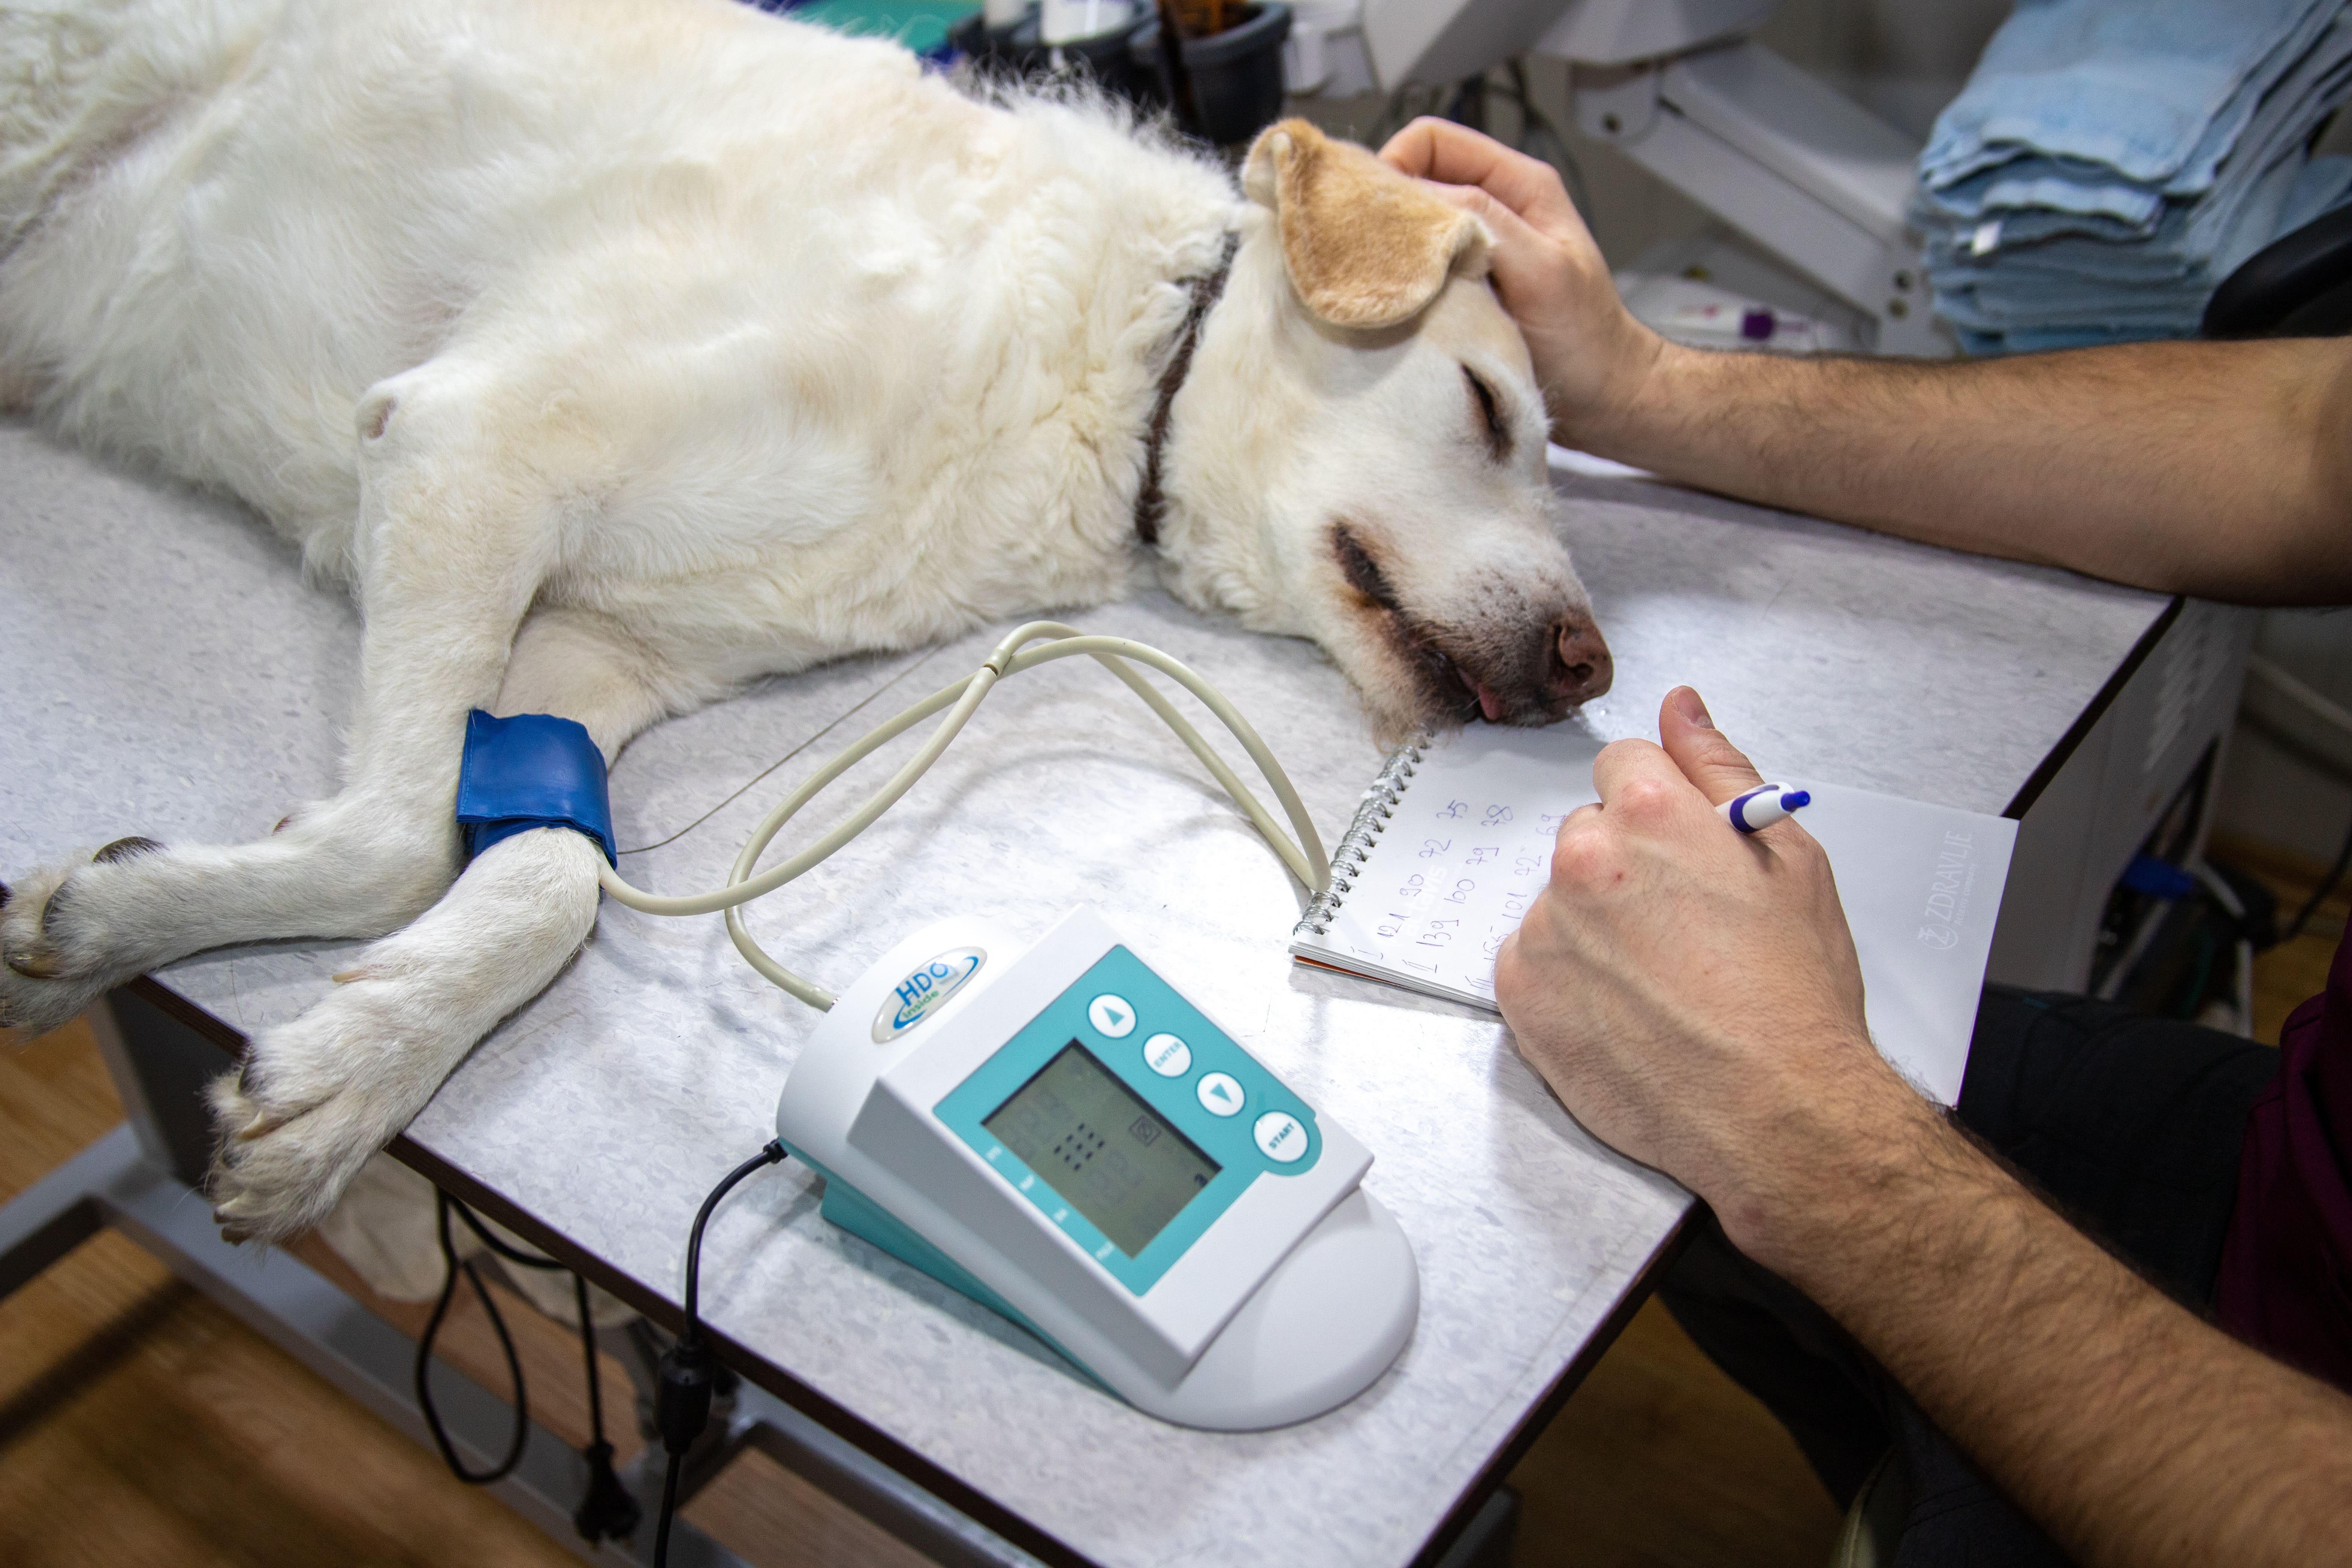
point(1112, 1017)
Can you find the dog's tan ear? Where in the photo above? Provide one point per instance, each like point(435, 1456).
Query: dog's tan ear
point(1365, 245)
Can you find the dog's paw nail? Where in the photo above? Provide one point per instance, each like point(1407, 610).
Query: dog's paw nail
point(346, 976)
point(260, 1126)
point(56, 902)
point(129, 848)
point(35, 965)
point(282, 822)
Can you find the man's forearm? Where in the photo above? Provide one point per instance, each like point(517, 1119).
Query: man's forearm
point(2221, 469)
point(2136, 1433)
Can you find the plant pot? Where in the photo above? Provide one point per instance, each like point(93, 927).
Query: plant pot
point(1225, 87)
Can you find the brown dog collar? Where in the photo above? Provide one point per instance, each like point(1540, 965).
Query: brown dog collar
point(1150, 503)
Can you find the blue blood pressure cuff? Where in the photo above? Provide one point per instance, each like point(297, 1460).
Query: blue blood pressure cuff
point(533, 770)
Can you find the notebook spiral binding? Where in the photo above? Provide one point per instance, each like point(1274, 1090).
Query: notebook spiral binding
point(1372, 813)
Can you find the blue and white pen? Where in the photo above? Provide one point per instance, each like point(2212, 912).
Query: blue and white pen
point(1762, 806)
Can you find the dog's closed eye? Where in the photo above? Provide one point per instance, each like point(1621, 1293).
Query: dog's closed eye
point(1363, 573)
point(1494, 427)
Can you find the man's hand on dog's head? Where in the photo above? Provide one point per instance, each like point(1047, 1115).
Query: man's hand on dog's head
point(1692, 992)
point(1590, 355)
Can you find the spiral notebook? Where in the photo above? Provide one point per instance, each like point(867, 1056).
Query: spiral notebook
point(1453, 841)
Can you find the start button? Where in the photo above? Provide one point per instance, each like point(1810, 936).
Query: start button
point(1279, 1136)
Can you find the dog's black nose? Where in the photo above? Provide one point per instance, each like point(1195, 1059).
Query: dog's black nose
point(1581, 668)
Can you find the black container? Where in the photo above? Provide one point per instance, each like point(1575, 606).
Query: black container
point(1228, 87)
point(1017, 54)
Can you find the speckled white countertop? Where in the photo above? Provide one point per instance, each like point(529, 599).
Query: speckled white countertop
point(164, 670)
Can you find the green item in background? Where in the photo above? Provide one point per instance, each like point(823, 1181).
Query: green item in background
point(920, 25)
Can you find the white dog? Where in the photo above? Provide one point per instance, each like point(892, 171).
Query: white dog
point(619, 351)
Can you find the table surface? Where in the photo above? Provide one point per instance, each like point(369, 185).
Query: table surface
point(164, 670)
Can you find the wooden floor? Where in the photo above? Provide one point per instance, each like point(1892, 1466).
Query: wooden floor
point(2291, 972)
point(141, 1424)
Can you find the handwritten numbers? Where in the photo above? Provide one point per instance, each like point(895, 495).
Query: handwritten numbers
point(1481, 865)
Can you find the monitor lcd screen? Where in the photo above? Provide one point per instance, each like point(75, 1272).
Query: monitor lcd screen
point(1096, 1142)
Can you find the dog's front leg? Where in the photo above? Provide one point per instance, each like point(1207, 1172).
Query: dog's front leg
point(456, 539)
point(316, 1097)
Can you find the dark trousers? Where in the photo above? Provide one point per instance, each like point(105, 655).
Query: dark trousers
point(2127, 1125)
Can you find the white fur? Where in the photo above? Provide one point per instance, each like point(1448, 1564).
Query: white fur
point(617, 351)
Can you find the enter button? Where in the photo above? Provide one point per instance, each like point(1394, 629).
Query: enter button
point(1280, 1138)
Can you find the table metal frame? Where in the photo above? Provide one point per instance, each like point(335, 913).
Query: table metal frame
point(144, 1178)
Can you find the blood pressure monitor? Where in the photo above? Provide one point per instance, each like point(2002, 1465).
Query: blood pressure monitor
point(1056, 1132)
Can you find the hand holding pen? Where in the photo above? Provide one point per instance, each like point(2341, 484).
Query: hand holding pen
point(1692, 992)
point(1754, 810)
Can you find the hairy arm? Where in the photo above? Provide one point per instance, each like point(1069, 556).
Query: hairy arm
point(1693, 997)
point(2132, 1431)
point(2221, 469)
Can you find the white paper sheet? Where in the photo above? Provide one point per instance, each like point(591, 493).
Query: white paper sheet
point(1444, 868)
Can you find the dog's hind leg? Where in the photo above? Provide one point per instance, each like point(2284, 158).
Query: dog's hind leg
point(316, 1097)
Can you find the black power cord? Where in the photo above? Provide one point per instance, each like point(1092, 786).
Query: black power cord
point(451, 1267)
point(606, 1510)
point(2319, 894)
point(682, 1403)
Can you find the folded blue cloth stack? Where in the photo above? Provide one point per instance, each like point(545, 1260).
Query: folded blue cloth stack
point(2112, 161)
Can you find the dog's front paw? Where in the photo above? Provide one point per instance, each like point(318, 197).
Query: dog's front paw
point(56, 954)
point(314, 1098)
